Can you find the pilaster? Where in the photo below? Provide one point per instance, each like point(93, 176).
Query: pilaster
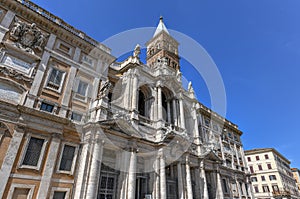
point(80, 181)
point(49, 166)
point(163, 183)
point(10, 158)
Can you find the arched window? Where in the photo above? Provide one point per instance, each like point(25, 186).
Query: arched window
point(167, 105)
point(141, 105)
point(144, 103)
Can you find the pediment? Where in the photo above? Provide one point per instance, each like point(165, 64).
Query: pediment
point(211, 155)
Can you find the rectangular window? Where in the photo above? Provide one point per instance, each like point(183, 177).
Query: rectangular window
point(33, 152)
point(59, 195)
point(265, 188)
point(257, 157)
point(275, 188)
point(263, 178)
point(64, 48)
point(82, 88)
point(251, 169)
point(272, 177)
point(266, 156)
point(67, 158)
point(55, 79)
point(249, 159)
point(46, 107)
point(256, 189)
point(207, 122)
point(76, 117)
point(269, 166)
point(229, 135)
point(20, 193)
point(254, 179)
point(260, 167)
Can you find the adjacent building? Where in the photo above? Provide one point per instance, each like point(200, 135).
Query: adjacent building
point(271, 175)
point(74, 123)
point(296, 174)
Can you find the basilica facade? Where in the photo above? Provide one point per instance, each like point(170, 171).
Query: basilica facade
point(75, 123)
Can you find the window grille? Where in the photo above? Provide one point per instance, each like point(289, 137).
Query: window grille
point(33, 151)
point(67, 158)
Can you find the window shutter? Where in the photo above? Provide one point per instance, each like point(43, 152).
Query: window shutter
point(75, 84)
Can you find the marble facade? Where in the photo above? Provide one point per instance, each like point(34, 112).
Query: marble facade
point(74, 123)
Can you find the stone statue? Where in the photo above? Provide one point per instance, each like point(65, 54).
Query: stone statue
point(190, 87)
point(178, 75)
point(137, 51)
point(16, 30)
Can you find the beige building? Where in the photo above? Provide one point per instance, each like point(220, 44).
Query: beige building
point(76, 124)
point(271, 175)
point(296, 174)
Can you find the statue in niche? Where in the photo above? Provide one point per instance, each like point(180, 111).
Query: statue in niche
point(27, 36)
point(137, 51)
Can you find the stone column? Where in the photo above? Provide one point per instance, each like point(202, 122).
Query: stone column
point(180, 183)
point(219, 194)
point(203, 176)
point(123, 179)
point(182, 121)
point(134, 93)
point(154, 105)
point(80, 181)
point(95, 168)
point(157, 178)
point(175, 112)
point(126, 97)
point(188, 179)
point(159, 104)
point(163, 183)
point(169, 112)
point(10, 158)
point(49, 168)
point(132, 176)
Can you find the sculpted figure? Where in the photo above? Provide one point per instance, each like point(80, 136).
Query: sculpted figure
point(137, 51)
point(16, 29)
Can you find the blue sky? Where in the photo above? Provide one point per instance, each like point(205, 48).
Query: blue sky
point(255, 45)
